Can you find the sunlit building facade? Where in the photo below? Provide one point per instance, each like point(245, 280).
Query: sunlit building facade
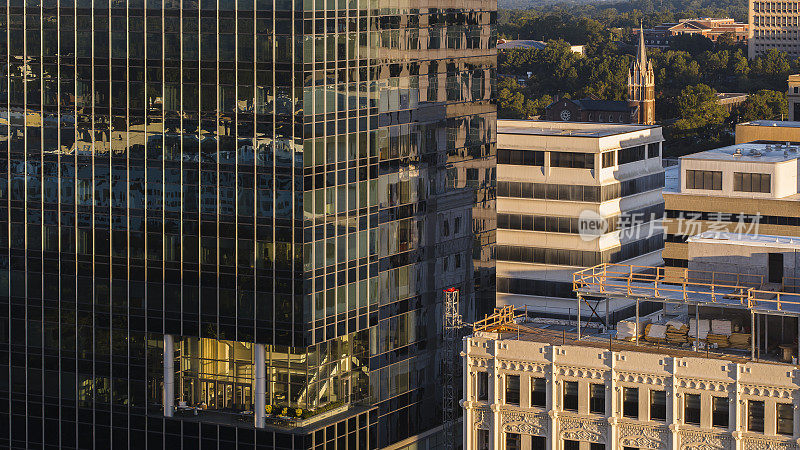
point(228, 224)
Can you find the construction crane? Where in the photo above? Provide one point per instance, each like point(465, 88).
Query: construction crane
point(451, 336)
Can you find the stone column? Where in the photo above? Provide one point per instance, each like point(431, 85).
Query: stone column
point(672, 403)
point(552, 400)
point(466, 402)
point(735, 413)
point(259, 393)
point(612, 403)
point(169, 375)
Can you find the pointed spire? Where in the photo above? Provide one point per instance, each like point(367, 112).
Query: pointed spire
point(642, 51)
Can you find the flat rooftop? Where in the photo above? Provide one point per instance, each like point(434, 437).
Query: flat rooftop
point(567, 129)
point(757, 151)
point(772, 123)
point(751, 240)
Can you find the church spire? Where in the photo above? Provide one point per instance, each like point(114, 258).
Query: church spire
point(641, 83)
point(641, 51)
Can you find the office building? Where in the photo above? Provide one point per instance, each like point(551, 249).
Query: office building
point(749, 188)
point(773, 25)
point(573, 195)
point(768, 131)
point(720, 374)
point(228, 224)
point(793, 97)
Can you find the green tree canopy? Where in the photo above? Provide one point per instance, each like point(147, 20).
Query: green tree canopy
point(697, 107)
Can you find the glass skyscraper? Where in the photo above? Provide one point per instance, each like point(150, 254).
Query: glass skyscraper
point(228, 223)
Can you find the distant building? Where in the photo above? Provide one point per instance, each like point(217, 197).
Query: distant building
point(747, 188)
point(573, 195)
point(639, 108)
point(508, 44)
point(793, 97)
point(768, 130)
point(712, 28)
point(730, 100)
point(773, 25)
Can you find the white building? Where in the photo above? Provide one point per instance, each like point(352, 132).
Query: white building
point(573, 195)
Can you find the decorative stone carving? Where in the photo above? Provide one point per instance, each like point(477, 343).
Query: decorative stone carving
point(756, 443)
point(583, 429)
point(483, 417)
point(704, 385)
point(766, 391)
point(580, 372)
point(700, 440)
point(642, 436)
point(520, 366)
point(524, 423)
point(641, 378)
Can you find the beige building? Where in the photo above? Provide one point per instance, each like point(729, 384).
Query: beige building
point(793, 97)
point(768, 130)
point(773, 24)
point(745, 188)
point(715, 371)
point(573, 195)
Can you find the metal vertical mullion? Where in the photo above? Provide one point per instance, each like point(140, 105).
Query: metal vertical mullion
point(41, 182)
point(128, 193)
point(25, 197)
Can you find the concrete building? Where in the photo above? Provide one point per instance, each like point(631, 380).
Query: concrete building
point(745, 188)
point(573, 195)
point(719, 372)
point(768, 130)
point(510, 44)
point(773, 25)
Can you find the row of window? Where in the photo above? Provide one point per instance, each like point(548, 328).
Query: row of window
point(742, 182)
point(553, 224)
point(580, 193)
point(578, 160)
point(524, 286)
point(715, 216)
point(579, 258)
point(692, 405)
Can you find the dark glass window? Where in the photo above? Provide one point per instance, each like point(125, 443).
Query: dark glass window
point(596, 446)
point(719, 411)
point(538, 392)
point(512, 390)
point(630, 402)
point(513, 441)
point(785, 418)
point(653, 150)
point(483, 439)
point(520, 157)
point(483, 386)
point(572, 160)
point(597, 398)
point(571, 395)
point(631, 154)
point(538, 443)
point(704, 179)
point(755, 416)
point(658, 405)
point(752, 182)
point(691, 409)
point(571, 445)
point(609, 159)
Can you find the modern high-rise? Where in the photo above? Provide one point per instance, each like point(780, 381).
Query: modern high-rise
point(228, 224)
point(773, 25)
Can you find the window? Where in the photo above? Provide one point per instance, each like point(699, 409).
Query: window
point(785, 418)
point(513, 441)
point(483, 386)
point(658, 405)
point(512, 390)
point(571, 395)
point(573, 160)
point(520, 157)
point(483, 439)
point(691, 409)
point(704, 179)
point(653, 150)
point(752, 182)
point(597, 398)
point(630, 402)
point(538, 443)
point(596, 446)
point(719, 412)
point(538, 392)
point(755, 416)
point(571, 445)
point(609, 159)
point(631, 154)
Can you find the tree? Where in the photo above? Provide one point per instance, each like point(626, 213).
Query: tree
point(697, 107)
point(764, 104)
point(692, 43)
point(726, 40)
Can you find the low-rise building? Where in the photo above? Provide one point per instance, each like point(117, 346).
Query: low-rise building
point(749, 187)
point(712, 28)
point(573, 195)
point(793, 97)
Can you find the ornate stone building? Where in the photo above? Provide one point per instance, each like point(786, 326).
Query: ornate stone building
point(534, 393)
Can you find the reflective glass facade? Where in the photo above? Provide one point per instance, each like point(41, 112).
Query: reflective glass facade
point(305, 175)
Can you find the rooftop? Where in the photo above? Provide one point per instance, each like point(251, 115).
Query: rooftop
point(752, 240)
point(574, 129)
point(757, 151)
point(772, 123)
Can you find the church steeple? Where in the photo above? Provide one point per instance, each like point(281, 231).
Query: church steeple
point(641, 84)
